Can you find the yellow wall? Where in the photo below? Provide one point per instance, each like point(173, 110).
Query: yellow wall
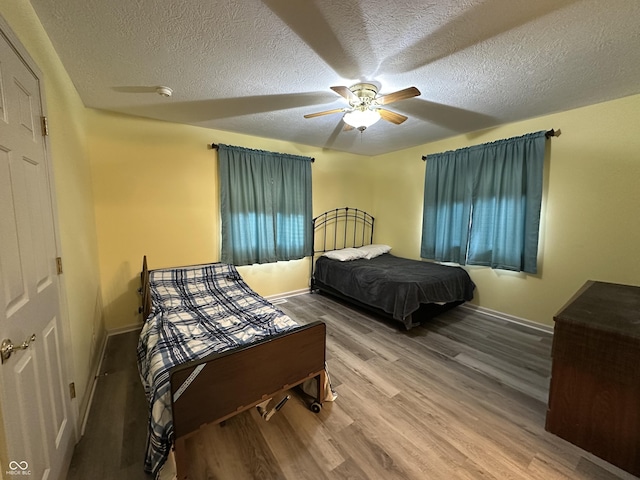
point(81, 302)
point(589, 228)
point(156, 193)
point(133, 186)
point(155, 188)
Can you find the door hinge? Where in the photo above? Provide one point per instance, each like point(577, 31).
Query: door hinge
point(45, 126)
point(72, 390)
point(59, 265)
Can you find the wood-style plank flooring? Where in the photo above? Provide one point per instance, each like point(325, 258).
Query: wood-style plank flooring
point(460, 397)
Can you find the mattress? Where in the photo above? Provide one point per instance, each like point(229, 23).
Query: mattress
point(395, 285)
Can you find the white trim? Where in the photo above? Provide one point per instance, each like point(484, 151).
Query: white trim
point(293, 293)
point(125, 329)
point(103, 350)
point(508, 318)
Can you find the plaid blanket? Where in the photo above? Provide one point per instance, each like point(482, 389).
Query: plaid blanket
point(196, 311)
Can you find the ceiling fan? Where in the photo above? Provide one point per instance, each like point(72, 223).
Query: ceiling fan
point(365, 105)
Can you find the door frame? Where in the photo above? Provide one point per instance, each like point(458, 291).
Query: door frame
point(67, 349)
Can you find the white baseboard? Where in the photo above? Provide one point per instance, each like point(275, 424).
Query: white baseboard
point(103, 349)
point(281, 296)
point(508, 318)
point(125, 329)
point(468, 306)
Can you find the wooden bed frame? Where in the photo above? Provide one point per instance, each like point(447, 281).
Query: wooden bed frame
point(222, 385)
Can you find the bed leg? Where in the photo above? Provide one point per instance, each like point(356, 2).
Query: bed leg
point(182, 465)
point(409, 323)
point(316, 406)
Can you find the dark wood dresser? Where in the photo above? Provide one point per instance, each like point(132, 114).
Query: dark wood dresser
point(594, 396)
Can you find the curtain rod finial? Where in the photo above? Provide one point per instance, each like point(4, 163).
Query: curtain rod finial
point(553, 133)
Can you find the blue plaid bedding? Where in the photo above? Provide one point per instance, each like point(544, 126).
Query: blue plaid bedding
point(196, 311)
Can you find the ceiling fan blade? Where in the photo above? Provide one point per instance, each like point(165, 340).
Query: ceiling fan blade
point(134, 89)
point(346, 93)
point(399, 95)
point(392, 117)
point(326, 112)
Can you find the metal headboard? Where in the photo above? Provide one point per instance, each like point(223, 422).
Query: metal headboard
point(340, 228)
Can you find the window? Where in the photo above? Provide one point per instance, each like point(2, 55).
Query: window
point(482, 204)
point(265, 203)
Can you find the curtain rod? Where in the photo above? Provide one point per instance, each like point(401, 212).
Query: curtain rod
point(215, 146)
point(547, 134)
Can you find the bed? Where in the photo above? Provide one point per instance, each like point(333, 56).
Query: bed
point(347, 264)
point(210, 348)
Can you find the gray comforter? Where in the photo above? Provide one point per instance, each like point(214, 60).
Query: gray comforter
point(393, 284)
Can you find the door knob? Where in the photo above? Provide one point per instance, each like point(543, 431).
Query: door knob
point(7, 347)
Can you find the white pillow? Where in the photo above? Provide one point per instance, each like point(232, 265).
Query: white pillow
point(345, 254)
point(373, 251)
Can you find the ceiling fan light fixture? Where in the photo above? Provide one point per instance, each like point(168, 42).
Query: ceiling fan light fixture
point(361, 119)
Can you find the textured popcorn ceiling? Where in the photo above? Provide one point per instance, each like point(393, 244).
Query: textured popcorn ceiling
point(257, 66)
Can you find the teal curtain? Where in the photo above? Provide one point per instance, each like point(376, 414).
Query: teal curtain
point(483, 207)
point(265, 205)
point(447, 207)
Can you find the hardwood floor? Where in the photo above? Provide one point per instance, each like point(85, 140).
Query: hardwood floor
point(460, 397)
